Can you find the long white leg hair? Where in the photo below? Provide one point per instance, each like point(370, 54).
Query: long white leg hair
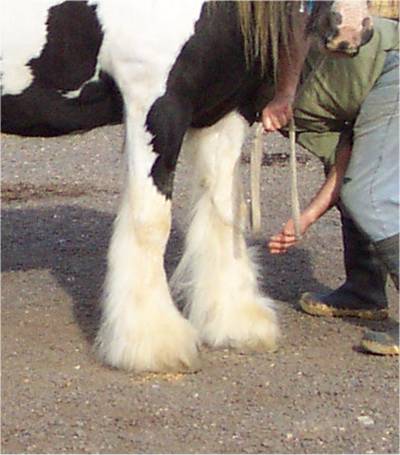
point(141, 329)
point(216, 273)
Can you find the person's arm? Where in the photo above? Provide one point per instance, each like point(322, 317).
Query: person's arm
point(326, 197)
point(279, 111)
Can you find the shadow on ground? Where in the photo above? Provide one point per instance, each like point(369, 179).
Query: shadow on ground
point(71, 242)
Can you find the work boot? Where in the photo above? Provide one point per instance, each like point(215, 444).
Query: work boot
point(385, 343)
point(363, 293)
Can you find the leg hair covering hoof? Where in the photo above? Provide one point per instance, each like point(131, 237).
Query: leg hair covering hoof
point(169, 347)
point(253, 328)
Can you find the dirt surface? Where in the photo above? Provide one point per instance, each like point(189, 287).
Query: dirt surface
point(317, 394)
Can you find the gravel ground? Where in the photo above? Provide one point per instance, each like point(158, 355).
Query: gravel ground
point(317, 394)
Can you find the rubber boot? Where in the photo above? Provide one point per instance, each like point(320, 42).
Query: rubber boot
point(388, 252)
point(385, 343)
point(363, 293)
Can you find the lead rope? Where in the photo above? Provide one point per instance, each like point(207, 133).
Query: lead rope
point(255, 171)
point(255, 177)
point(293, 181)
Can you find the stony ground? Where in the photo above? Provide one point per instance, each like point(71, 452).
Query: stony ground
point(317, 394)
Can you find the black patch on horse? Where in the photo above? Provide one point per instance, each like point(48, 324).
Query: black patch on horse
point(42, 112)
point(208, 80)
point(74, 37)
point(67, 62)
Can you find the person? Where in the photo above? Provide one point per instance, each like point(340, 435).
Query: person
point(347, 113)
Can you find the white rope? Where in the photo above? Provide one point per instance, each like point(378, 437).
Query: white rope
point(293, 181)
point(239, 210)
point(255, 178)
point(255, 166)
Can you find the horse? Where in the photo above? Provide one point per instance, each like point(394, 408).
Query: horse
point(180, 75)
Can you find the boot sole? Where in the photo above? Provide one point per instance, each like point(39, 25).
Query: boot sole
point(320, 309)
point(375, 347)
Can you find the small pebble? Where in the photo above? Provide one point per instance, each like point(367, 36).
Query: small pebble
point(365, 420)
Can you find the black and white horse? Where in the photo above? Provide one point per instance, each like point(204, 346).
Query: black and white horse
point(183, 74)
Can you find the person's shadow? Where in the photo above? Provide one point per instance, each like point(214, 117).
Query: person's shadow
point(286, 277)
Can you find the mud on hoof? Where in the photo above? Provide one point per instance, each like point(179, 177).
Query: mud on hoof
point(251, 327)
point(144, 348)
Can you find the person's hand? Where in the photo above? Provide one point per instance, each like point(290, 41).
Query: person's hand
point(277, 113)
point(281, 242)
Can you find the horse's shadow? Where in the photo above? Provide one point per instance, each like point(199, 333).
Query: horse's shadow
point(71, 242)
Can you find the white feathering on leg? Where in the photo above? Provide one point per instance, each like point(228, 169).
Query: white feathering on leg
point(141, 328)
point(223, 299)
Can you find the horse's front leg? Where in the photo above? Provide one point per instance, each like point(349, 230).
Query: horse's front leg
point(217, 271)
point(141, 329)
